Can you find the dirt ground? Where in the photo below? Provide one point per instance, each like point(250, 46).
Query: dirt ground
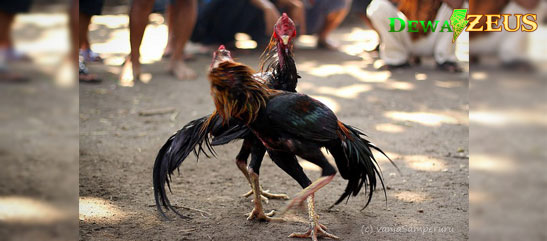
point(419, 116)
point(39, 159)
point(506, 197)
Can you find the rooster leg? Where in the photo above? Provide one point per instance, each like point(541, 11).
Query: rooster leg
point(316, 229)
point(316, 157)
point(251, 145)
point(241, 162)
point(242, 165)
point(310, 190)
point(258, 212)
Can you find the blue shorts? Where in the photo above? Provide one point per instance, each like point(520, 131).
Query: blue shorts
point(318, 12)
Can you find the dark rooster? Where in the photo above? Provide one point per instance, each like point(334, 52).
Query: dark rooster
point(290, 125)
point(278, 72)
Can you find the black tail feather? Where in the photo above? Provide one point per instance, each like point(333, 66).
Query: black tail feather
point(357, 164)
point(235, 131)
point(192, 138)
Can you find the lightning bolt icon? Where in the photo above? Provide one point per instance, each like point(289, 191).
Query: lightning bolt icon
point(458, 22)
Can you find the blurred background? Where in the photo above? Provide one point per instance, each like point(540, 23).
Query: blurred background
point(508, 129)
point(38, 124)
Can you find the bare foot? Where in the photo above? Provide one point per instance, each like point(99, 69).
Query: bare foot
point(181, 71)
point(326, 44)
point(130, 71)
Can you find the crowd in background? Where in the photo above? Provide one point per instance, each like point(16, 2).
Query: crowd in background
point(214, 22)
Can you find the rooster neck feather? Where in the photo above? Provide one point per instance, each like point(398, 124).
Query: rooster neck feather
point(280, 62)
point(236, 93)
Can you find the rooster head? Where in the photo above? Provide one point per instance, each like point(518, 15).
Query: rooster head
point(284, 30)
point(219, 56)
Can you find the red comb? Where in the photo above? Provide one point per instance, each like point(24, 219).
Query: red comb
point(285, 15)
point(221, 47)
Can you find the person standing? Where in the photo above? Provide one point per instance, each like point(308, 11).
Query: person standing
point(182, 18)
point(397, 48)
point(8, 10)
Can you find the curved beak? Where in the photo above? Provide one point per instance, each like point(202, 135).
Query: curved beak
point(285, 39)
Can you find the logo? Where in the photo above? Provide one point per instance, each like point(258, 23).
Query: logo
point(460, 21)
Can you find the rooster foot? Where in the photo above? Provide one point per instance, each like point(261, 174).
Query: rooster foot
point(315, 230)
point(265, 195)
point(259, 215)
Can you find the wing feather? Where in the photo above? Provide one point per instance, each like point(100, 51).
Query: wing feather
point(303, 116)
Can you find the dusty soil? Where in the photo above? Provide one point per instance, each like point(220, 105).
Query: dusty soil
point(419, 116)
point(506, 197)
point(39, 159)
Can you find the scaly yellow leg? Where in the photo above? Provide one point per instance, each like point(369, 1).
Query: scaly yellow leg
point(315, 227)
point(258, 212)
point(265, 195)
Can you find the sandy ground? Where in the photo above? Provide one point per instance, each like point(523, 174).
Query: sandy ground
point(419, 116)
point(508, 135)
point(39, 137)
point(39, 157)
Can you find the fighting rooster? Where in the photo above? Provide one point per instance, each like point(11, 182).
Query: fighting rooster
point(290, 125)
point(278, 72)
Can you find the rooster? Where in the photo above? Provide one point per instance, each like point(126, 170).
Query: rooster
point(278, 72)
point(289, 125)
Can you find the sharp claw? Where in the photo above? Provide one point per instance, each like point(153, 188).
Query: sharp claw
point(267, 195)
point(271, 213)
point(249, 193)
point(261, 216)
point(275, 196)
point(317, 230)
point(323, 226)
point(300, 235)
point(265, 199)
